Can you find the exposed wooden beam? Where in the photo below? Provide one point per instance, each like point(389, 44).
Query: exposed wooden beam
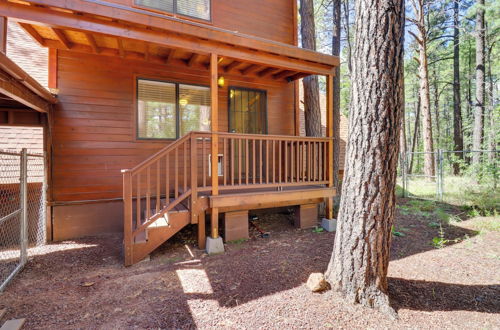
point(297, 76)
point(62, 38)
point(20, 93)
point(249, 69)
point(92, 43)
point(33, 33)
point(170, 56)
point(164, 38)
point(231, 66)
point(192, 60)
point(266, 71)
point(137, 16)
point(282, 74)
point(121, 50)
point(3, 34)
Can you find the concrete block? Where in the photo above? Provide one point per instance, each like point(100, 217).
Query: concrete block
point(215, 245)
point(329, 224)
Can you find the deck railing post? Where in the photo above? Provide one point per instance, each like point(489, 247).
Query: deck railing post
point(215, 141)
point(329, 134)
point(127, 216)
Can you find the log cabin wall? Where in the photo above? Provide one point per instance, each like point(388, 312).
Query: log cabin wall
point(94, 134)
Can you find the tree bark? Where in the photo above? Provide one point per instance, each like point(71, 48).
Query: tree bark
point(312, 110)
point(436, 106)
point(477, 133)
point(415, 134)
point(492, 144)
point(360, 259)
point(336, 92)
point(458, 139)
point(425, 102)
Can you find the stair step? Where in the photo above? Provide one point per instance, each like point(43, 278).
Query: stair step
point(13, 324)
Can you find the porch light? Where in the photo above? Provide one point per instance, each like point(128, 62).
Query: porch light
point(183, 102)
point(221, 81)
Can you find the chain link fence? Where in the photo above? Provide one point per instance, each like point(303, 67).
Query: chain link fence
point(22, 210)
point(454, 176)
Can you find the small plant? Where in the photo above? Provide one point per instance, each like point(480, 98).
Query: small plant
point(397, 233)
point(440, 242)
point(433, 224)
point(318, 229)
point(474, 213)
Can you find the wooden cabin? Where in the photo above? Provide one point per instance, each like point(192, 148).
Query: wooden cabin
point(176, 112)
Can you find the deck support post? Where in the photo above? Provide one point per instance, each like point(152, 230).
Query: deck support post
point(329, 135)
point(127, 216)
point(214, 223)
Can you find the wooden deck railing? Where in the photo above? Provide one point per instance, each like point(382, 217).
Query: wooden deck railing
point(251, 160)
point(179, 172)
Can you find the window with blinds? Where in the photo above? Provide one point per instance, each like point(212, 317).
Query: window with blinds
point(194, 108)
point(167, 110)
point(247, 111)
point(192, 8)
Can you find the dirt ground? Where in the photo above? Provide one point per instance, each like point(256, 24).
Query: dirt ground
point(260, 283)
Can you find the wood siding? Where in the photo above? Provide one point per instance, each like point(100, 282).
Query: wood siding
point(269, 19)
point(94, 122)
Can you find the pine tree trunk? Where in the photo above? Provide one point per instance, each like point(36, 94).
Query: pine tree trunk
point(336, 92)
point(458, 139)
point(312, 110)
point(360, 259)
point(436, 107)
point(477, 133)
point(492, 144)
point(425, 104)
point(415, 134)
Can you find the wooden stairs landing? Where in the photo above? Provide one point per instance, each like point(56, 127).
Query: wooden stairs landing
point(160, 231)
point(11, 324)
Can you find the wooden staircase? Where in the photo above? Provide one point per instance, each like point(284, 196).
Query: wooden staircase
point(158, 200)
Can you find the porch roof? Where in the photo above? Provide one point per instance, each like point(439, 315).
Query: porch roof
point(18, 89)
point(107, 28)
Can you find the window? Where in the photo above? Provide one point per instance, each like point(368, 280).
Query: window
point(247, 111)
point(192, 8)
point(168, 110)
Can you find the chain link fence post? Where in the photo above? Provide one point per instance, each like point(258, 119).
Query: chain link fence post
point(24, 206)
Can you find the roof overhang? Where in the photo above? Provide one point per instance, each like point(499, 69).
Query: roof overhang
point(122, 22)
point(22, 88)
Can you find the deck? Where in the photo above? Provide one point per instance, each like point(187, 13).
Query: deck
point(181, 183)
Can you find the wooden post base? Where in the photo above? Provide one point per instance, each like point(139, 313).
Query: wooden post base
point(306, 216)
point(235, 225)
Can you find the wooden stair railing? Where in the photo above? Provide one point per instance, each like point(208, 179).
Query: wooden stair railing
point(158, 185)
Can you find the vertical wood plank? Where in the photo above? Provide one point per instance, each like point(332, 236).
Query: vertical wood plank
point(239, 161)
point(204, 162)
point(167, 179)
point(260, 160)
point(246, 161)
point(194, 183)
point(148, 193)
point(254, 175)
point(127, 217)
point(273, 154)
point(184, 161)
point(224, 159)
point(176, 173)
point(157, 184)
point(138, 201)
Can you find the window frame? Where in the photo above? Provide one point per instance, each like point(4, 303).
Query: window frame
point(177, 108)
point(266, 128)
point(175, 13)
